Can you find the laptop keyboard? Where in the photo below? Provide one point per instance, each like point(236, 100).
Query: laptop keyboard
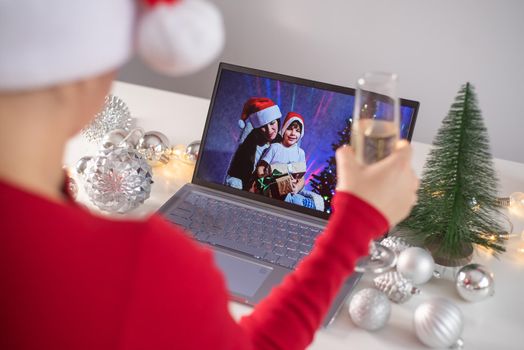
point(262, 235)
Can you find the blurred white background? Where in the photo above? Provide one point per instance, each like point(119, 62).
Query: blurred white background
point(434, 45)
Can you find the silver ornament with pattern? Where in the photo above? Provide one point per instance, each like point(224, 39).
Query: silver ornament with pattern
point(117, 180)
point(397, 288)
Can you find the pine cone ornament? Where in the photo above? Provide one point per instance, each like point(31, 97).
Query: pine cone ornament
point(397, 244)
point(397, 288)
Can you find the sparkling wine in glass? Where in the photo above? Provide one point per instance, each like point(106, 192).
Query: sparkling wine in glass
point(375, 132)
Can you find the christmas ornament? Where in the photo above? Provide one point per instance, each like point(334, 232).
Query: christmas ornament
point(115, 115)
point(397, 288)
point(154, 146)
point(475, 282)
point(395, 243)
point(416, 264)
point(133, 138)
point(457, 204)
point(439, 323)
point(370, 309)
point(114, 138)
point(117, 180)
point(192, 151)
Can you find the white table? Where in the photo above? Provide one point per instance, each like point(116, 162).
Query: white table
point(496, 323)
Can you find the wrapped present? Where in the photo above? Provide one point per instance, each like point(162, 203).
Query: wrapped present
point(279, 183)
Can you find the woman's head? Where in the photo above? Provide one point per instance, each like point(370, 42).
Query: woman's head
point(261, 114)
point(270, 130)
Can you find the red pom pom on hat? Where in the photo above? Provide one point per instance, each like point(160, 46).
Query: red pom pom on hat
point(179, 37)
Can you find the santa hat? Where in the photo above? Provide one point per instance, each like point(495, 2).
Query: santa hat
point(45, 43)
point(290, 118)
point(257, 112)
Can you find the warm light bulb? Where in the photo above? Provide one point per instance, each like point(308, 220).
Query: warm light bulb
point(516, 203)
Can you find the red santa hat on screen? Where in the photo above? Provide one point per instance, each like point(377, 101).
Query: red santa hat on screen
point(44, 43)
point(257, 112)
point(290, 118)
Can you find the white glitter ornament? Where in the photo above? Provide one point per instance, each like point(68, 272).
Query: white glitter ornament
point(474, 282)
point(370, 309)
point(115, 115)
point(438, 324)
point(397, 288)
point(117, 180)
point(416, 264)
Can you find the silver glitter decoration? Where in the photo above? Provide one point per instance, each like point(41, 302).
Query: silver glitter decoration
point(397, 288)
point(416, 264)
point(475, 282)
point(439, 323)
point(395, 243)
point(154, 146)
point(115, 115)
point(370, 309)
point(118, 180)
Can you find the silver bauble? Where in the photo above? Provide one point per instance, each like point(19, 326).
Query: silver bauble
point(115, 115)
point(438, 323)
point(81, 165)
point(133, 138)
point(192, 151)
point(118, 180)
point(154, 146)
point(370, 309)
point(397, 288)
point(475, 282)
point(114, 138)
point(416, 264)
point(395, 243)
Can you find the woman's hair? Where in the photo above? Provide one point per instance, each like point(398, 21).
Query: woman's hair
point(244, 159)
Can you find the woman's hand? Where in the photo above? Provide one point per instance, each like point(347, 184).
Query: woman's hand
point(389, 185)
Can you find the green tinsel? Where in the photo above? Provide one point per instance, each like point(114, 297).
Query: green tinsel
point(457, 197)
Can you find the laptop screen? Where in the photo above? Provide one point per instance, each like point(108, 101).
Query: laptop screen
point(273, 138)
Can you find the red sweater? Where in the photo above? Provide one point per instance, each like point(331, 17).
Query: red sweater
point(72, 280)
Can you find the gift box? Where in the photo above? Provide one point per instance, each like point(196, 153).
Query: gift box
point(279, 183)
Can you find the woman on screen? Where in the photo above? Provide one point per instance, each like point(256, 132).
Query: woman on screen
point(260, 123)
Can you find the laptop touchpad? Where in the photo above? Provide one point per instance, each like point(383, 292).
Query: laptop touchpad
point(242, 276)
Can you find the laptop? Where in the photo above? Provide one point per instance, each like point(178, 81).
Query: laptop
point(261, 221)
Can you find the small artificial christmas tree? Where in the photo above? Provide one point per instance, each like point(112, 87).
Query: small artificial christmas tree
point(457, 205)
point(324, 183)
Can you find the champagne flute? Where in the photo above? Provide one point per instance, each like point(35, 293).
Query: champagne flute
point(375, 132)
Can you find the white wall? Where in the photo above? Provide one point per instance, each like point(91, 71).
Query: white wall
point(435, 46)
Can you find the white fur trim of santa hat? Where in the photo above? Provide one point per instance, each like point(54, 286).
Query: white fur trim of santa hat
point(46, 43)
point(265, 116)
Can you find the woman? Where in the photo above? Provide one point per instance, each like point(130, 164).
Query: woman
point(74, 280)
point(260, 123)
